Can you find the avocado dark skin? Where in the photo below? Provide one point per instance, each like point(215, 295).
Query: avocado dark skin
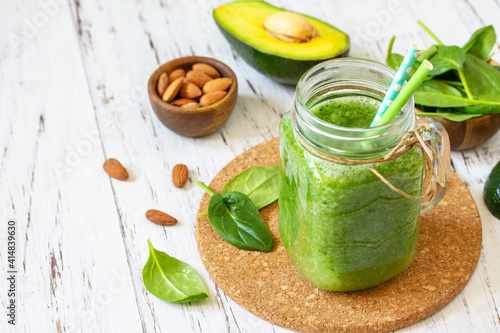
point(267, 63)
point(492, 191)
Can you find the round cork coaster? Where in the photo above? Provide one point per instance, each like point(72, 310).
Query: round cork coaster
point(269, 286)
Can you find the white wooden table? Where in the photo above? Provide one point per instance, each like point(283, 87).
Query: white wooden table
point(73, 93)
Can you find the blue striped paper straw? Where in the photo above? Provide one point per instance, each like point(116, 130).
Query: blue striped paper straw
point(403, 71)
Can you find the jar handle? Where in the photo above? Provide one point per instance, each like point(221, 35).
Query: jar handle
point(434, 133)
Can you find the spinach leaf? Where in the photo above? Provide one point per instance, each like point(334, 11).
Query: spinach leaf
point(484, 79)
point(393, 60)
point(440, 86)
point(450, 58)
point(447, 58)
point(453, 83)
point(171, 279)
point(449, 115)
point(260, 184)
point(481, 42)
point(482, 108)
point(237, 220)
point(420, 23)
point(438, 94)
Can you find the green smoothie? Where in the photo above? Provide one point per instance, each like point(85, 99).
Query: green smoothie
point(343, 228)
point(345, 111)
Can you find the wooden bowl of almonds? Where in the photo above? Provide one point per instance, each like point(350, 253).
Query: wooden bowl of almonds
point(193, 96)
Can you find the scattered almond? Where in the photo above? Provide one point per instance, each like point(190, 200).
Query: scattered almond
point(162, 84)
point(207, 69)
point(175, 74)
point(189, 90)
point(219, 84)
point(182, 101)
point(160, 217)
point(192, 105)
point(211, 98)
point(115, 169)
point(198, 78)
point(180, 175)
point(172, 90)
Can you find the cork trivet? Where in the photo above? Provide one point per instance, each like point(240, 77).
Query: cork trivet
point(269, 286)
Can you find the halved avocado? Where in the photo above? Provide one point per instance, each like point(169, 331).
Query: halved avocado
point(242, 23)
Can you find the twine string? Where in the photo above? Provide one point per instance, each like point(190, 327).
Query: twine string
point(409, 141)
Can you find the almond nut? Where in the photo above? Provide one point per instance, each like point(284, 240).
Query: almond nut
point(180, 175)
point(189, 90)
point(198, 78)
point(219, 84)
point(162, 84)
point(175, 74)
point(172, 90)
point(207, 69)
point(160, 218)
point(212, 97)
point(182, 101)
point(115, 169)
point(192, 105)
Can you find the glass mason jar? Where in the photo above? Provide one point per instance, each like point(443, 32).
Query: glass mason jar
point(342, 226)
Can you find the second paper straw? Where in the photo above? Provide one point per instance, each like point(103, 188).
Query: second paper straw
point(412, 85)
point(397, 83)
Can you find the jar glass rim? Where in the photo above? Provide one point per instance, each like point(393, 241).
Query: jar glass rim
point(335, 73)
point(300, 96)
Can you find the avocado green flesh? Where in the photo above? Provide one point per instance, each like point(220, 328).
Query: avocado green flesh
point(492, 191)
point(242, 23)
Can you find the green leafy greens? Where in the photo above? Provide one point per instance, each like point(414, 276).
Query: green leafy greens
point(260, 184)
point(462, 84)
point(457, 117)
point(481, 42)
point(237, 220)
point(171, 279)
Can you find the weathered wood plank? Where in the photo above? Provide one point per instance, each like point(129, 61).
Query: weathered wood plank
point(73, 274)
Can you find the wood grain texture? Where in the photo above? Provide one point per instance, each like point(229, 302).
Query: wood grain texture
point(471, 133)
point(73, 78)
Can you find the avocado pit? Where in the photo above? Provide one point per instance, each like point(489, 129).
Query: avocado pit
point(290, 27)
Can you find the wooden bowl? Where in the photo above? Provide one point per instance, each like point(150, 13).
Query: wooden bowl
point(193, 122)
point(470, 133)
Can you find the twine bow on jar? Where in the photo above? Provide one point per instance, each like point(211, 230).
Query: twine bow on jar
point(409, 141)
